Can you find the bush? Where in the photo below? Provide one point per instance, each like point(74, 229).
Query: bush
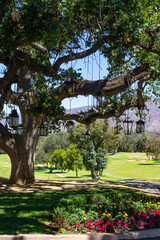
point(153, 146)
point(60, 217)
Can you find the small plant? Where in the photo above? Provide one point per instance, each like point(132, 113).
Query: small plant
point(60, 217)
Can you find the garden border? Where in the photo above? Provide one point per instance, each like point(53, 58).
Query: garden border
point(143, 234)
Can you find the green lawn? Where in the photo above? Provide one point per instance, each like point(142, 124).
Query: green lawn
point(120, 166)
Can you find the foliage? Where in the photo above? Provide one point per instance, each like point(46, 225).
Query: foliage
point(58, 158)
point(133, 143)
point(94, 149)
point(111, 212)
point(96, 162)
point(47, 145)
point(101, 136)
point(60, 218)
point(74, 159)
point(153, 146)
point(121, 221)
point(69, 159)
point(1, 151)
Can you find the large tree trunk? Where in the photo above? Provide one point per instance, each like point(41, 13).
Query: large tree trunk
point(23, 154)
point(21, 150)
point(22, 159)
point(22, 165)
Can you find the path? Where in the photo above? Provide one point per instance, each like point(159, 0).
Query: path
point(58, 174)
point(150, 186)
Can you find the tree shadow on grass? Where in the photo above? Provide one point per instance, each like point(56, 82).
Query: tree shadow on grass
point(149, 164)
point(39, 169)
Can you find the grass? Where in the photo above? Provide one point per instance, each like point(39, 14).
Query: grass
point(120, 166)
point(5, 166)
point(29, 212)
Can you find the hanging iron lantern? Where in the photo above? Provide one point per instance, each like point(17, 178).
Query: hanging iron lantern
point(127, 126)
point(71, 84)
point(13, 119)
point(70, 126)
point(42, 130)
point(99, 99)
point(140, 126)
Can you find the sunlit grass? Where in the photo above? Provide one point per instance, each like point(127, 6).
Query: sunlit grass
point(120, 166)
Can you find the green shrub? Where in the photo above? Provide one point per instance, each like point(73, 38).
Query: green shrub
point(60, 217)
point(72, 203)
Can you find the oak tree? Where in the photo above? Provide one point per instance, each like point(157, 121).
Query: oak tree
point(38, 36)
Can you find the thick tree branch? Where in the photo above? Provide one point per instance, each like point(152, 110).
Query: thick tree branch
point(7, 141)
point(107, 87)
point(92, 115)
point(38, 47)
point(25, 59)
point(9, 78)
point(74, 56)
point(149, 49)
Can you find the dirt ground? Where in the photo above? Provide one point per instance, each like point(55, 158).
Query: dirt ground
point(40, 186)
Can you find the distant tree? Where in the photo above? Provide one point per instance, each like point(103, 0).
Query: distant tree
point(94, 148)
point(133, 143)
point(58, 158)
point(101, 135)
point(114, 143)
point(41, 156)
point(74, 159)
point(153, 146)
point(47, 146)
point(96, 162)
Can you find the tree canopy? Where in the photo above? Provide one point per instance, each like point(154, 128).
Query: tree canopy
point(38, 36)
point(41, 35)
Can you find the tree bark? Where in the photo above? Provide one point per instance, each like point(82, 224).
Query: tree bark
point(21, 150)
point(93, 174)
point(22, 165)
point(77, 173)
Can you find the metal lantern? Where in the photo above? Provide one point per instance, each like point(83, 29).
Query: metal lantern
point(71, 84)
point(140, 126)
point(127, 125)
point(42, 130)
point(98, 99)
point(70, 126)
point(13, 119)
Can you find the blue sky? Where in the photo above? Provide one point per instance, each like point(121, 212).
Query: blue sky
point(88, 73)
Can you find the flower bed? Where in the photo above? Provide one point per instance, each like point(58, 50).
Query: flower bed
point(111, 217)
point(111, 210)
